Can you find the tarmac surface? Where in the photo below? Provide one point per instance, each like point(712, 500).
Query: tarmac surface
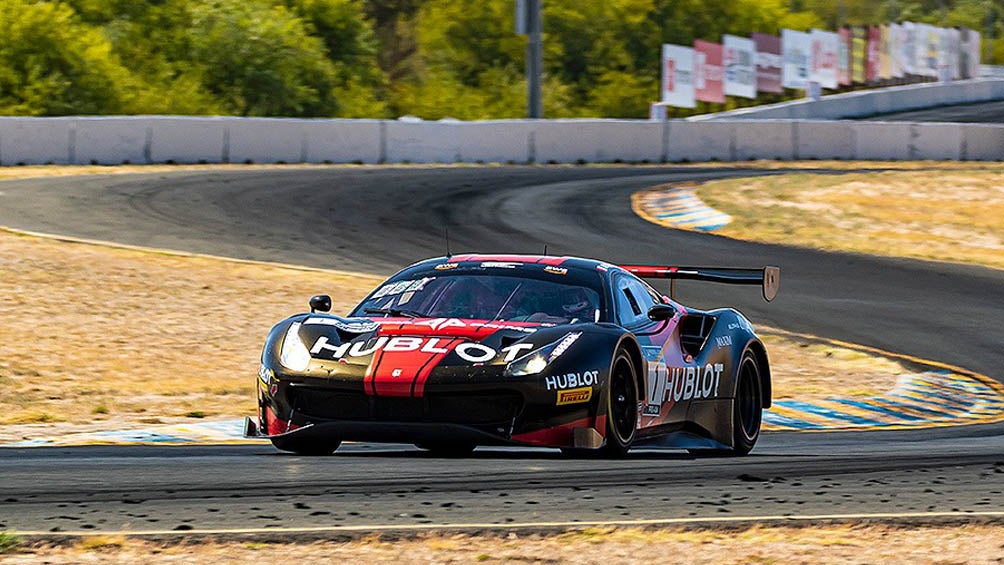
point(380, 219)
point(982, 112)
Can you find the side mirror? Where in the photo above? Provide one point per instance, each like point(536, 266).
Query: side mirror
point(661, 312)
point(320, 303)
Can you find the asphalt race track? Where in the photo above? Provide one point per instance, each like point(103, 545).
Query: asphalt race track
point(982, 112)
point(380, 219)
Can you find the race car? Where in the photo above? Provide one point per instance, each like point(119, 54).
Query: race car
point(466, 350)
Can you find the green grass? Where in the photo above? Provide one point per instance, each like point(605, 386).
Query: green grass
point(9, 542)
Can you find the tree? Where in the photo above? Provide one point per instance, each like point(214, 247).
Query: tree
point(53, 64)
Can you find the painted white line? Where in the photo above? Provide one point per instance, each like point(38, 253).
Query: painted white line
point(373, 528)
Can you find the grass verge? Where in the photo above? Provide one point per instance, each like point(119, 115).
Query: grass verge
point(9, 542)
point(943, 213)
point(839, 544)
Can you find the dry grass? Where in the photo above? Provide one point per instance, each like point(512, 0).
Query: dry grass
point(806, 371)
point(839, 544)
point(104, 337)
point(96, 338)
point(951, 213)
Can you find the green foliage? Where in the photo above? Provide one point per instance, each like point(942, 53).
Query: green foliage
point(53, 64)
point(9, 542)
point(386, 58)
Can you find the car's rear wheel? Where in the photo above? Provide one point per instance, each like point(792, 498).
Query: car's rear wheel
point(300, 446)
point(447, 449)
point(747, 409)
point(622, 406)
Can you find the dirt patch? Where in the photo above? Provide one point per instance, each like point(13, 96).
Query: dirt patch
point(943, 213)
point(841, 544)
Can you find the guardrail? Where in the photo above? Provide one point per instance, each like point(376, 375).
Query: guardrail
point(168, 139)
point(867, 103)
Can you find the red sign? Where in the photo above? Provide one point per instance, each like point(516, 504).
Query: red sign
point(768, 62)
point(709, 83)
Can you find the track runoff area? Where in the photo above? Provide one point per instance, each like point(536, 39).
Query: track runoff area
point(918, 401)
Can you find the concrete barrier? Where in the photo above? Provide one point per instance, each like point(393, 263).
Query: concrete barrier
point(592, 141)
point(110, 141)
point(266, 141)
point(865, 103)
point(765, 139)
point(36, 141)
point(343, 141)
point(982, 142)
point(458, 142)
point(160, 139)
point(935, 141)
point(693, 141)
point(824, 140)
point(886, 141)
point(189, 140)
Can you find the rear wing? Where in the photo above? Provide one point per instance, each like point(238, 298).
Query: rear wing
point(768, 278)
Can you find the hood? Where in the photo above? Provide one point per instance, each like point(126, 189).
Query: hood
point(399, 354)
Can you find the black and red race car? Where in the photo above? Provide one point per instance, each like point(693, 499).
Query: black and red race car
point(466, 350)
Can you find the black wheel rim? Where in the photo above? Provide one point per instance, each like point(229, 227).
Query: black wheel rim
point(748, 400)
point(623, 409)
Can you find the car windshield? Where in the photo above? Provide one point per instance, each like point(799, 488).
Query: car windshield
point(484, 296)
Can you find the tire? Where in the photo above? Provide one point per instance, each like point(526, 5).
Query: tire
point(308, 448)
point(747, 410)
point(447, 449)
point(622, 406)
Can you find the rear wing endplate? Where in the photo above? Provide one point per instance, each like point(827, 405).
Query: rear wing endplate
point(768, 278)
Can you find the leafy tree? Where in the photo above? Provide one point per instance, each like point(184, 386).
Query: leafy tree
point(51, 63)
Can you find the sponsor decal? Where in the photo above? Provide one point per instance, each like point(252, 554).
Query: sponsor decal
point(683, 383)
point(741, 323)
point(468, 351)
point(572, 380)
point(443, 323)
point(266, 375)
point(555, 270)
point(500, 265)
point(446, 266)
point(574, 396)
point(724, 341)
point(355, 327)
point(399, 287)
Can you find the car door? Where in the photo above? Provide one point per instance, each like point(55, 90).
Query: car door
point(666, 366)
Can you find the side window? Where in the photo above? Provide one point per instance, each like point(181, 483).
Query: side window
point(633, 299)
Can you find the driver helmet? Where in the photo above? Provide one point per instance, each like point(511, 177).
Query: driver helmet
point(575, 303)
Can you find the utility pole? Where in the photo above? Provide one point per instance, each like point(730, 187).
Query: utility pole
point(529, 23)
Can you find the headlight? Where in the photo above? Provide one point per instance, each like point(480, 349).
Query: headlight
point(294, 355)
point(536, 361)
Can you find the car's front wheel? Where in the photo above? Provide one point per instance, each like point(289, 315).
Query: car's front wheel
point(300, 446)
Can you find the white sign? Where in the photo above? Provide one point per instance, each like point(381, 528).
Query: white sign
point(678, 76)
point(823, 69)
point(896, 50)
point(739, 60)
point(795, 49)
point(908, 53)
point(927, 41)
